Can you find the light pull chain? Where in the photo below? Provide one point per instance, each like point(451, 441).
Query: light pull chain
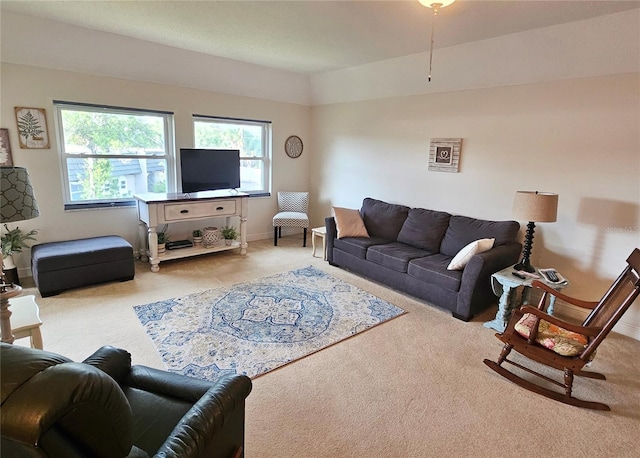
point(436, 8)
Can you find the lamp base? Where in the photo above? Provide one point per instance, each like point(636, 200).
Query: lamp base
point(525, 266)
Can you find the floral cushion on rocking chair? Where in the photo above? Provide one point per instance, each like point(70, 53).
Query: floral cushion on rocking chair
point(560, 340)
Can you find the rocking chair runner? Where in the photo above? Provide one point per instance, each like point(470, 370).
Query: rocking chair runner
point(604, 315)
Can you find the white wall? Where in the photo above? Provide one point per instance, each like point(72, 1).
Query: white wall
point(34, 41)
point(28, 86)
point(554, 109)
point(605, 45)
point(578, 138)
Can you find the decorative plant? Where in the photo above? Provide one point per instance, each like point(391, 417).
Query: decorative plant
point(197, 233)
point(162, 235)
point(13, 241)
point(229, 233)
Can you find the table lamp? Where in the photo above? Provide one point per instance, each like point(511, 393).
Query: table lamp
point(535, 207)
point(17, 203)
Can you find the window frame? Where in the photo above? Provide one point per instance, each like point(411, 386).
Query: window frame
point(169, 152)
point(266, 146)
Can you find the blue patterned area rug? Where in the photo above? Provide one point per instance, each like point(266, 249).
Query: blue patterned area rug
point(255, 327)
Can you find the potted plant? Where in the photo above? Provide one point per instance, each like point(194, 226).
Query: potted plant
point(197, 237)
point(162, 240)
point(229, 233)
point(13, 241)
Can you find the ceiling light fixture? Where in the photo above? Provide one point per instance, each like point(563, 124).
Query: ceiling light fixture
point(435, 6)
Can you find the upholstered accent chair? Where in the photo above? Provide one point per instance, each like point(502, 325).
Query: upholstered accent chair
point(293, 209)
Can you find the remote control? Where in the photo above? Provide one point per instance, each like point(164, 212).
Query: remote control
point(552, 276)
point(519, 275)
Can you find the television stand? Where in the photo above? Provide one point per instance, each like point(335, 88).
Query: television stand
point(157, 209)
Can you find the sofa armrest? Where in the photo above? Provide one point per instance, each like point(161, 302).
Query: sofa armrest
point(197, 430)
point(114, 361)
point(475, 287)
point(178, 386)
point(331, 235)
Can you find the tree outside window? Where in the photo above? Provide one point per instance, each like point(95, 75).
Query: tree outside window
point(109, 154)
point(251, 138)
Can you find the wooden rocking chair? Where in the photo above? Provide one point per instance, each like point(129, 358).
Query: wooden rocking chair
point(564, 346)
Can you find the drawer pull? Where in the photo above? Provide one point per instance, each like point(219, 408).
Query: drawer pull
point(184, 211)
point(220, 208)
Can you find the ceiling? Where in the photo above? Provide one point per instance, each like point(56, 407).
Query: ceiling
point(308, 37)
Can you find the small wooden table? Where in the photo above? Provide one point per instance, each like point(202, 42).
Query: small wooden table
point(320, 232)
point(504, 285)
point(25, 319)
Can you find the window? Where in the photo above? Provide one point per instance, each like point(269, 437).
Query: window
point(252, 138)
point(108, 154)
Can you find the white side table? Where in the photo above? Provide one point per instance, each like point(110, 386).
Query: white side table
point(504, 285)
point(25, 319)
point(320, 232)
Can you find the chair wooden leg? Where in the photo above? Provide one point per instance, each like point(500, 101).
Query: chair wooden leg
point(275, 235)
point(304, 238)
point(504, 353)
point(280, 232)
point(568, 381)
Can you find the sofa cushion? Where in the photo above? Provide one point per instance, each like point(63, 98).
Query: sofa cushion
point(382, 219)
point(424, 229)
point(461, 259)
point(349, 223)
point(357, 246)
point(394, 255)
point(433, 269)
point(463, 230)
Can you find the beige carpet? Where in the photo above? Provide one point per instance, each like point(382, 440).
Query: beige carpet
point(413, 387)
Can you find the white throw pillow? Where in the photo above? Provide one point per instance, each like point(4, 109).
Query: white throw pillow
point(349, 223)
point(464, 255)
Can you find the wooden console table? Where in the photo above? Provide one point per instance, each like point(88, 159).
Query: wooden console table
point(156, 209)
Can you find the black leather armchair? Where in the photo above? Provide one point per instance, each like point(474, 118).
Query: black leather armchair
point(104, 407)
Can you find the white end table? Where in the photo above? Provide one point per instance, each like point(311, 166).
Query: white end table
point(504, 285)
point(25, 319)
point(322, 233)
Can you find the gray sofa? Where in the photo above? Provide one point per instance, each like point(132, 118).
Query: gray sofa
point(409, 250)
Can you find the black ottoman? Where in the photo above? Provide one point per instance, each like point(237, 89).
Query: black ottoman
point(57, 266)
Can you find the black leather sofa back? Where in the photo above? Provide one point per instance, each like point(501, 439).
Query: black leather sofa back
point(104, 407)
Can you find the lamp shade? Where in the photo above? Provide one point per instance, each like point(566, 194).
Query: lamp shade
point(17, 200)
point(539, 207)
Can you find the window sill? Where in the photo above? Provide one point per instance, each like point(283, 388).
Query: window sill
point(99, 205)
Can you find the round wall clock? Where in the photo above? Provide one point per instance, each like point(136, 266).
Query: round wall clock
point(293, 146)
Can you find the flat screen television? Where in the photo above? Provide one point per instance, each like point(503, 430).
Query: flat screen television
point(209, 169)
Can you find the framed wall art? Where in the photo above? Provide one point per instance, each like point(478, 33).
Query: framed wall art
point(5, 148)
point(444, 154)
point(32, 128)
